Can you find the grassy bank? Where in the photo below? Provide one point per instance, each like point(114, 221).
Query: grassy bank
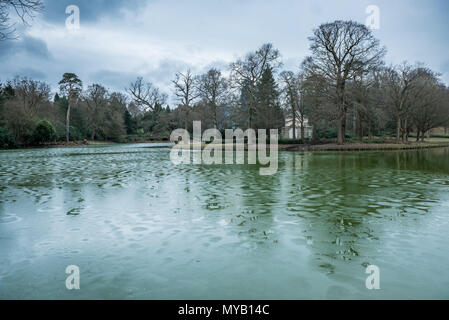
point(63, 144)
point(351, 146)
point(364, 146)
point(321, 146)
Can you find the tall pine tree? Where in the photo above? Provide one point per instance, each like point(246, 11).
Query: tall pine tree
point(269, 114)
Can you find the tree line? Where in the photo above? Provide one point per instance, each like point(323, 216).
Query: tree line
point(343, 89)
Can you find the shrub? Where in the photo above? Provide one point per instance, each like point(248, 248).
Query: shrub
point(44, 132)
point(326, 134)
point(439, 136)
point(375, 140)
point(290, 141)
point(60, 131)
point(331, 133)
point(7, 141)
point(75, 134)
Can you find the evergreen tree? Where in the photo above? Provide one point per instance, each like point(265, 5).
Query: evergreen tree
point(269, 114)
point(242, 112)
point(2, 97)
point(71, 86)
point(130, 123)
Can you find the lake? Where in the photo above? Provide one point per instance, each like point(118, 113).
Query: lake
point(139, 227)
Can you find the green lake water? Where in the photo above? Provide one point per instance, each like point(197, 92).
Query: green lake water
point(139, 227)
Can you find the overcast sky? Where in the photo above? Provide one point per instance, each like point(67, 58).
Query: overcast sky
point(119, 40)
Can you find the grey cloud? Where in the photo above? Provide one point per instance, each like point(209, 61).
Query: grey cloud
point(114, 80)
point(32, 73)
point(411, 30)
point(26, 45)
point(165, 71)
point(20, 58)
point(35, 47)
point(161, 75)
point(445, 66)
point(220, 65)
point(90, 10)
point(445, 72)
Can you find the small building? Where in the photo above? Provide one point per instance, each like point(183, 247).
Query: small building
point(287, 131)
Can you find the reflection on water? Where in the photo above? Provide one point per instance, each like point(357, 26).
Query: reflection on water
point(139, 227)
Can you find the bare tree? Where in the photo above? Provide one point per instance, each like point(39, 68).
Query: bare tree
point(96, 99)
point(31, 94)
point(186, 92)
point(24, 9)
point(119, 101)
point(146, 95)
point(246, 73)
point(429, 104)
point(186, 88)
point(318, 95)
point(398, 83)
point(213, 90)
point(25, 100)
point(362, 95)
point(341, 50)
point(291, 92)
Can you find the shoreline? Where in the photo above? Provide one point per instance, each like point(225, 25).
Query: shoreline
point(347, 147)
point(73, 144)
point(364, 146)
point(282, 147)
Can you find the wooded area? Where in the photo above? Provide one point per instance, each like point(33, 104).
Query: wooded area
point(345, 89)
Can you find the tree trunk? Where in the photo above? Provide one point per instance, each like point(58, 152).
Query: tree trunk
point(92, 137)
point(294, 122)
point(67, 124)
point(186, 120)
point(250, 116)
point(417, 135)
point(355, 122)
point(360, 129)
point(370, 135)
point(313, 123)
point(251, 109)
point(405, 131)
point(302, 127)
point(342, 109)
point(398, 129)
point(423, 135)
point(342, 129)
point(215, 117)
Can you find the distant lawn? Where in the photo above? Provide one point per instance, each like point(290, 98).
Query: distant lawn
point(99, 143)
point(437, 139)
